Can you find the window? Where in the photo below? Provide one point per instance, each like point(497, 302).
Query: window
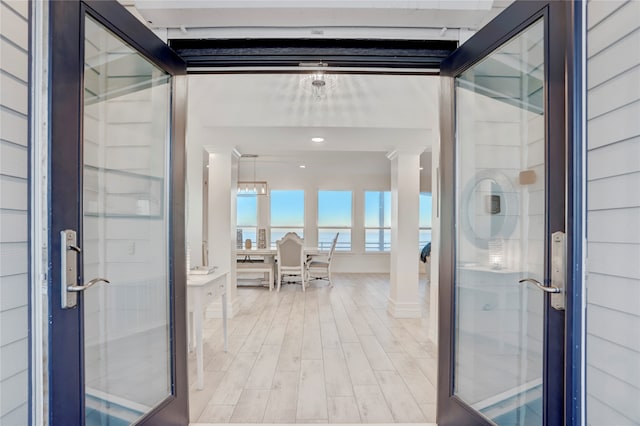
point(425, 219)
point(247, 217)
point(287, 214)
point(377, 220)
point(334, 215)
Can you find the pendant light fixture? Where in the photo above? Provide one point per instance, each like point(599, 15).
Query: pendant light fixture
point(251, 187)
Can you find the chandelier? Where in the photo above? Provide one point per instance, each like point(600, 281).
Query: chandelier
point(251, 187)
point(318, 84)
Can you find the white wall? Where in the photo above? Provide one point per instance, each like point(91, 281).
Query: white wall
point(613, 213)
point(356, 172)
point(273, 116)
point(14, 191)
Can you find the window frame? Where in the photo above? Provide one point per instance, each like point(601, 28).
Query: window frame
point(254, 241)
point(335, 228)
point(385, 249)
point(290, 228)
point(421, 244)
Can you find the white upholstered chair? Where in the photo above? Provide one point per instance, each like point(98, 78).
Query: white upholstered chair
point(291, 260)
point(319, 266)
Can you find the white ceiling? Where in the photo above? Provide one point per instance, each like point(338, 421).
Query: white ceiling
point(271, 114)
point(315, 14)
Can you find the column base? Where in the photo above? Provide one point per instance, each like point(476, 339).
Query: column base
point(214, 310)
point(404, 310)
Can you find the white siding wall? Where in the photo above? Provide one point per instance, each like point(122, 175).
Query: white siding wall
point(14, 157)
point(613, 217)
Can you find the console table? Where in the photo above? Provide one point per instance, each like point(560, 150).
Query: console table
point(201, 291)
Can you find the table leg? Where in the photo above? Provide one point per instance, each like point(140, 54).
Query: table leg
point(197, 319)
point(191, 332)
point(224, 319)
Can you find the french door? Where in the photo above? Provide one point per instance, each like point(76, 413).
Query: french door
point(117, 351)
point(502, 291)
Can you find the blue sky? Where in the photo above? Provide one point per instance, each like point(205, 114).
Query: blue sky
point(334, 209)
point(287, 208)
point(247, 210)
point(372, 209)
point(425, 210)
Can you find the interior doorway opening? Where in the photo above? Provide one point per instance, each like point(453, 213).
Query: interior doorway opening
point(326, 354)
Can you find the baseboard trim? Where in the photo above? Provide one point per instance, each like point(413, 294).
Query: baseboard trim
point(404, 310)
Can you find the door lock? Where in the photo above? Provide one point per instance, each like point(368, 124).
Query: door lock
point(558, 270)
point(69, 252)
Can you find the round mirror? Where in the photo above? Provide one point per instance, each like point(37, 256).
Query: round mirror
point(488, 208)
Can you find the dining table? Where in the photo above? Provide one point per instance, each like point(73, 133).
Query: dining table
point(268, 254)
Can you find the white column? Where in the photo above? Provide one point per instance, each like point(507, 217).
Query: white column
point(434, 279)
point(405, 207)
point(193, 201)
point(310, 214)
point(223, 182)
point(357, 230)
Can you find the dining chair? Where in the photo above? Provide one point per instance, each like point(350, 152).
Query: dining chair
point(291, 260)
point(319, 266)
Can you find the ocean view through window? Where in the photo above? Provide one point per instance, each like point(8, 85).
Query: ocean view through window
point(287, 213)
point(335, 215)
point(247, 217)
point(425, 219)
point(377, 220)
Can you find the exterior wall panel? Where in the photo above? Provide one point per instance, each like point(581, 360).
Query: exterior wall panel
point(14, 190)
point(613, 212)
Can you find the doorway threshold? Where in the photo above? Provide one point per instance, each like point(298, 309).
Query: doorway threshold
point(325, 424)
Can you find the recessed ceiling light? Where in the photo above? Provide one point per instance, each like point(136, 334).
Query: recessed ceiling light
point(302, 166)
point(421, 168)
point(317, 139)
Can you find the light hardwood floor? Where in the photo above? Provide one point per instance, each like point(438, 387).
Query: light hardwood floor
point(329, 355)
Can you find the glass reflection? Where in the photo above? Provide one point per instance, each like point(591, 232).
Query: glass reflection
point(125, 230)
point(498, 323)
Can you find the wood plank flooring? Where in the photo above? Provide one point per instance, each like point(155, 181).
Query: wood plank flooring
point(328, 355)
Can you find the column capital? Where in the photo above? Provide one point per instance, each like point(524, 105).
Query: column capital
point(222, 150)
point(409, 150)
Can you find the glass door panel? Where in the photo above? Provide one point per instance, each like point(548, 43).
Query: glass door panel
point(125, 230)
point(500, 237)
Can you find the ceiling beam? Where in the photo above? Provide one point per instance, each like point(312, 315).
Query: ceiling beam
point(421, 54)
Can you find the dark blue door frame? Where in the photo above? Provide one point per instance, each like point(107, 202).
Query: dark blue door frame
point(562, 365)
point(66, 82)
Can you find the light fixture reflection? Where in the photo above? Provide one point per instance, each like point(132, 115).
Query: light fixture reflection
point(319, 84)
